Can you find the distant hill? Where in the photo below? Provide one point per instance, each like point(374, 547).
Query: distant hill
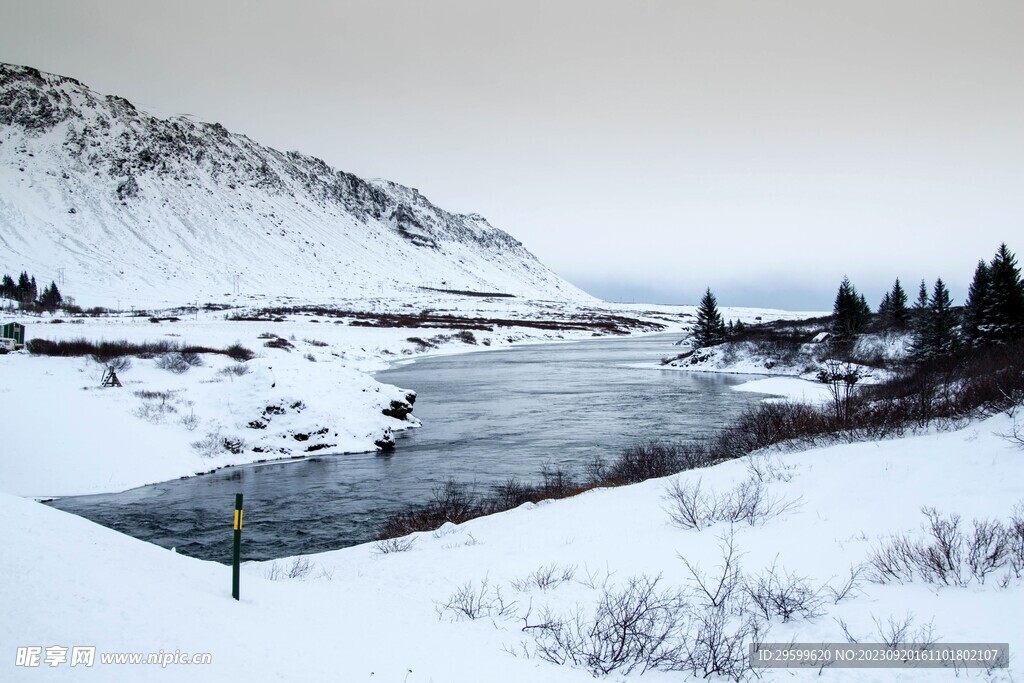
point(135, 206)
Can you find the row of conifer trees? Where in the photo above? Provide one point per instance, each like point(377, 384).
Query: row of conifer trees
point(993, 312)
point(26, 292)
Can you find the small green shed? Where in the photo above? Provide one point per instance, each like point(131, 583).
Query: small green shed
point(15, 331)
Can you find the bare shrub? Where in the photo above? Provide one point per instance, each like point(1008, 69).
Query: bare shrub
point(454, 501)
point(635, 627)
point(512, 493)
point(1015, 531)
point(310, 357)
point(896, 632)
point(1016, 433)
point(769, 424)
point(190, 421)
point(545, 578)
point(988, 548)
point(156, 405)
point(173, 362)
point(689, 506)
point(841, 378)
point(315, 342)
point(718, 588)
point(210, 445)
point(151, 395)
point(768, 467)
point(279, 343)
point(719, 641)
point(422, 344)
point(235, 370)
point(949, 555)
point(894, 560)
point(239, 353)
point(105, 351)
point(451, 501)
point(192, 358)
point(556, 482)
point(154, 413)
point(394, 545)
point(117, 364)
point(750, 502)
point(470, 602)
point(299, 568)
point(777, 593)
point(848, 588)
point(649, 461)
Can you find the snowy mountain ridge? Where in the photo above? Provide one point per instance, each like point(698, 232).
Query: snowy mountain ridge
point(121, 203)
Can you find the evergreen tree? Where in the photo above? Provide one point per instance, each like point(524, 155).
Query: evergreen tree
point(943, 321)
point(898, 300)
point(921, 305)
point(863, 312)
point(920, 318)
point(709, 328)
point(975, 323)
point(885, 308)
point(1005, 310)
point(850, 312)
point(935, 334)
point(23, 288)
point(8, 290)
point(50, 299)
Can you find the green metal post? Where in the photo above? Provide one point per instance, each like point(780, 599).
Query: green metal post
point(237, 555)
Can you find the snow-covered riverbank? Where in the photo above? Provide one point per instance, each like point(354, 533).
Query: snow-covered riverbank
point(308, 389)
point(314, 393)
point(382, 616)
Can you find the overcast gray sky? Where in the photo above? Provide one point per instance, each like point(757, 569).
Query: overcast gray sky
point(644, 150)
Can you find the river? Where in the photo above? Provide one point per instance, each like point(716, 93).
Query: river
point(487, 416)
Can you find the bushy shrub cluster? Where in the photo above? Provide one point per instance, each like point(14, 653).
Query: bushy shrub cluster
point(105, 351)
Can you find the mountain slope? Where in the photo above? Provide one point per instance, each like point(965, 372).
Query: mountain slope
point(144, 208)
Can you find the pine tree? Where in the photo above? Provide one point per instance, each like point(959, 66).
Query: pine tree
point(885, 308)
point(975, 323)
point(709, 328)
point(863, 313)
point(898, 299)
point(850, 312)
point(1005, 310)
point(8, 290)
point(935, 333)
point(23, 288)
point(942, 327)
point(919, 343)
point(921, 305)
point(51, 298)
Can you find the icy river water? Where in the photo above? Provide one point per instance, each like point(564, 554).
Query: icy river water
point(487, 416)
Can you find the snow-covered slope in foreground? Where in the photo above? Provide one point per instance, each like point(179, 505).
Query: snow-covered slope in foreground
point(359, 615)
point(125, 205)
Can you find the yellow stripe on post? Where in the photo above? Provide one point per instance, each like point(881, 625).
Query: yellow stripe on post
point(236, 551)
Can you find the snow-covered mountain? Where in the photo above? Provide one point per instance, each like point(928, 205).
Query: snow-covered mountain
point(118, 202)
